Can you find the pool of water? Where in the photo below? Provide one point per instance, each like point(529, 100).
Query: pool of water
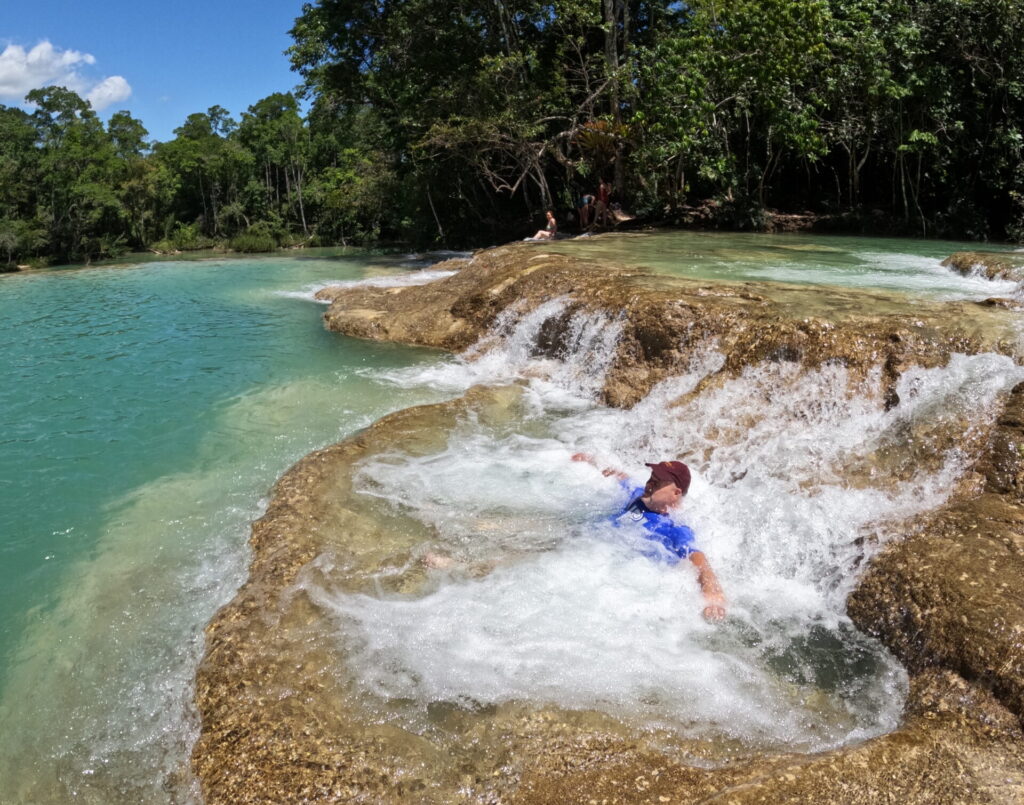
point(147, 412)
point(908, 268)
point(796, 476)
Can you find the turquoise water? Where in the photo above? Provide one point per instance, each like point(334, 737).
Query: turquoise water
point(900, 265)
point(147, 411)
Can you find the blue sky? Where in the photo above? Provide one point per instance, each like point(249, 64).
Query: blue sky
point(160, 61)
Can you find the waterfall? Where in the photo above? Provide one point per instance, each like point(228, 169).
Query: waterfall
point(562, 351)
point(800, 474)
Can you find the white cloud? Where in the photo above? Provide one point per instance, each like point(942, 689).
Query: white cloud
point(108, 91)
point(44, 65)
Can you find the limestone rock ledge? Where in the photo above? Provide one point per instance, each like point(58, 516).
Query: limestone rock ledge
point(665, 320)
point(951, 594)
point(994, 265)
point(948, 600)
point(276, 728)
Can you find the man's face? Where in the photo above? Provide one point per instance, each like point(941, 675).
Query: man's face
point(666, 497)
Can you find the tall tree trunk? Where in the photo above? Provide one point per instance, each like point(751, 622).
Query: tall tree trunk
point(214, 192)
point(440, 229)
point(302, 208)
point(202, 196)
point(613, 11)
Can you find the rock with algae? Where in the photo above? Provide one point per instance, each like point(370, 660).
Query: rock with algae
point(951, 594)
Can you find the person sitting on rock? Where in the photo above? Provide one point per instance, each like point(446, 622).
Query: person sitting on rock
point(649, 508)
point(550, 230)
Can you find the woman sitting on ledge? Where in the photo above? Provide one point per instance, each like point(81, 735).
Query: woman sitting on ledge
point(549, 231)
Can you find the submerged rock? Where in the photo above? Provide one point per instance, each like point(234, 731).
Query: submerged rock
point(282, 723)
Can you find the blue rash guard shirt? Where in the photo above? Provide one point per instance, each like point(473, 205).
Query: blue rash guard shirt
point(677, 539)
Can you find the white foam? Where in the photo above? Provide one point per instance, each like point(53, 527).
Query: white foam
point(395, 280)
point(918, 273)
point(509, 353)
point(590, 625)
point(905, 273)
point(424, 259)
point(791, 492)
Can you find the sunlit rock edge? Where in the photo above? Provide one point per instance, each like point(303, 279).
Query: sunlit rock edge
point(946, 599)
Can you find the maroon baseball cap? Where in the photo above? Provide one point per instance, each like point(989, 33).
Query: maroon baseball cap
point(675, 471)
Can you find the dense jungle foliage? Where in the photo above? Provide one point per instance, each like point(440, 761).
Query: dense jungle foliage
point(457, 122)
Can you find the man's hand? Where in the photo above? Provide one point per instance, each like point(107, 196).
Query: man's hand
point(715, 609)
point(709, 586)
point(606, 472)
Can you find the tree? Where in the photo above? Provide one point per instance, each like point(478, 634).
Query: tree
point(208, 168)
point(275, 134)
point(76, 164)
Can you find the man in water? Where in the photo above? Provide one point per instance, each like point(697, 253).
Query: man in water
point(649, 507)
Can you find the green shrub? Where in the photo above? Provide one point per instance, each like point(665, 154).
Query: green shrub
point(290, 239)
point(188, 238)
point(162, 246)
point(257, 238)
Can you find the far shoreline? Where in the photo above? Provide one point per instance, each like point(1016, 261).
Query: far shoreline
point(692, 219)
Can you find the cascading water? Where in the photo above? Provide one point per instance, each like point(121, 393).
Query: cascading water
point(571, 370)
point(798, 472)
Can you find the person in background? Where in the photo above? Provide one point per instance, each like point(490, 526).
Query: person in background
point(604, 192)
point(586, 210)
point(649, 507)
point(549, 231)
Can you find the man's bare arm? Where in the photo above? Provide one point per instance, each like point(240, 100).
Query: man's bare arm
point(709, 586)
point(589, 459)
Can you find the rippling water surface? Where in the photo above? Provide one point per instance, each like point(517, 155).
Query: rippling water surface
point(908, 268)
point(147, 411)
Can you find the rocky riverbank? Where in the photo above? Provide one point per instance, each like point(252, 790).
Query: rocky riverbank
point(279, 726)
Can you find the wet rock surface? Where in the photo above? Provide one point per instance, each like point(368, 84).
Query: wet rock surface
point(279, 724)
point(994, 265)
point(666, 319)
point(951, 594)
point(957, 746)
